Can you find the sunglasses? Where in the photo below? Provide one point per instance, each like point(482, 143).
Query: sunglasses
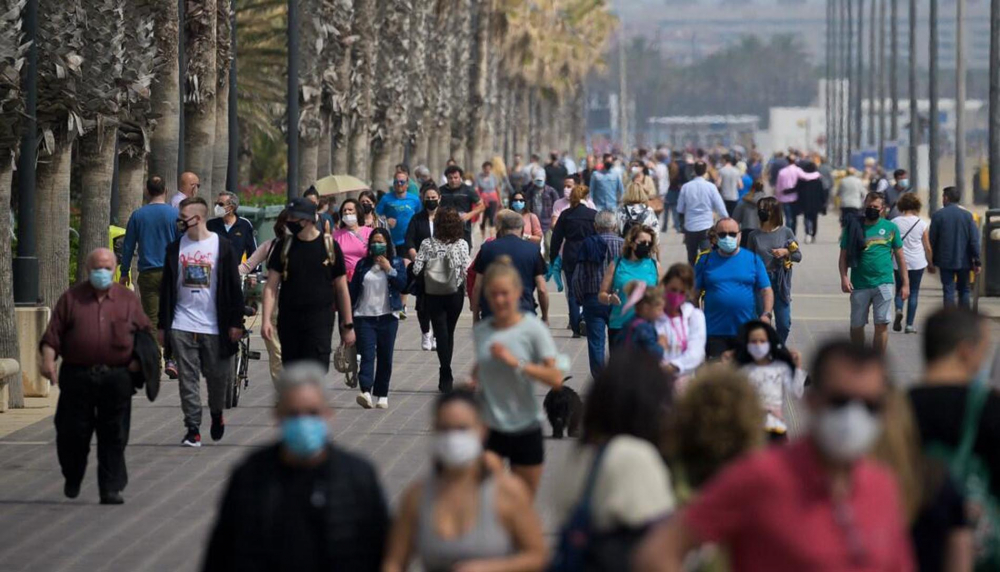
point(729, 234)
point(220, 204)
point(400, 183)
point(836, 401)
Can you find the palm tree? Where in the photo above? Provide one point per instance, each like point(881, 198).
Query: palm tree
point(932, 78)
point(336, 93)
point(165, 95)
point(443, 40)
point(101, 97)
point(420, 83)
point(363, 62)
point(11, 108)
point(223, 59)
point(313, 37)
point(201, 83)
point(461, 26)
point(392, 91)
point(478, 79)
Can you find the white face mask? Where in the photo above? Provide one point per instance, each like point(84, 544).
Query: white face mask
point(759, 350)
point(351, 220)
point(846, 433)
point(636, 170)
point(567, 191)
point(220, 211)
point(458, 448)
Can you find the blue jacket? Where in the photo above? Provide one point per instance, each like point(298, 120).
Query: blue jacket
point(954, 239)
point(397, 283)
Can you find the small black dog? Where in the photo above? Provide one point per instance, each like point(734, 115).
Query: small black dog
point(564, 409)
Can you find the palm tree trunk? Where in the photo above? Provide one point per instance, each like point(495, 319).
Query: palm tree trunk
point(9, 345)
point(52, 222)
point(933, 155)
point(201, 82)
point(522, 117)
point(165, 96)
point(462, 80)
point(131, 183)
point(323, 153)
point(362, 84)
point(96, 161)
point(308, 161)
point(914, 114)
point(220, 159)
point(479, 76)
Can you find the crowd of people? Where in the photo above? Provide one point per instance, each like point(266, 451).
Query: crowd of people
point(706, 442)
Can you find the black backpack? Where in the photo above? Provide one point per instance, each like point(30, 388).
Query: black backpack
point(633, 219)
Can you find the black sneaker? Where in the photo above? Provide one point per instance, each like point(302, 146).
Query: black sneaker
point(582, 328)
point(112, 497)
point(897, 324)
point(71, 490)
point(218, 426)
point(192, 439)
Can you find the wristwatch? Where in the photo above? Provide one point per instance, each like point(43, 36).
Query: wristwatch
point(348, 326)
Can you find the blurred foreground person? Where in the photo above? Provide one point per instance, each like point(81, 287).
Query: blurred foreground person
point(301, 504)
point(465, 516)
point(617, 483)
point(816, 504)
point(92, 329)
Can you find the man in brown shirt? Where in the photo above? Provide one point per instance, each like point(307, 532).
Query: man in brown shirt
point(92, 329)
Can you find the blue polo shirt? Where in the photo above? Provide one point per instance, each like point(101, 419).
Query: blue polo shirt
point(400, 208)
point(730, 284)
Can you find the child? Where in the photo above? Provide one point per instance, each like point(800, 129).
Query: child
point(640, 333)
point(774, 372)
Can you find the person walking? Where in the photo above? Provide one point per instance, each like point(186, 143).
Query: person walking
point(785, 190)
point(542, 199)
point(731, 279)
point(441, 265)
point(868, 247)
point(376, 297)
point(421, 228)
point(236, 229)
point(617, 471)
point(852, 192)
point(635, 210)
point(303, 503)
point(523, 256)
point(638, 261)
point(745, 213)
point(488, 186)
point(812, 199)
point(597, 252)
point(566, 201)
point(776, 246)
point(188, 188)
point(698, 200)
point(606, 185)
point(259, 257)
point(676, 180)
point(398, 208)
point(555, 171)
point(730, 183)
point(532, 226)
point(465, 514)
point(151, 228)
point(917, 251)
point(900, 186)
point(774, 372)
point(513, 350)
point(368, 216)
point(91, 330)
point(309, 267)
point(954, 241)
point(461, 197)
point(574, 225)
point(682, 326)
point(201, 309)
point(770, 528)
point(351, 236)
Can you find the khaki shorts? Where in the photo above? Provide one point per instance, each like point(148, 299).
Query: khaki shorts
point(879, 299)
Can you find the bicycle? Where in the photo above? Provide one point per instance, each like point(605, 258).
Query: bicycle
point(240, 379)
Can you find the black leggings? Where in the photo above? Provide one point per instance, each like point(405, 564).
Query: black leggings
point(444, 312)
point(422, 316)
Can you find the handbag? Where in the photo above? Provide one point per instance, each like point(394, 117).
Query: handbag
point(656, 203)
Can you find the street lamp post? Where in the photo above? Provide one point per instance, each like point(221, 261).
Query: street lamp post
point(932, 181)
point(960, 96)
point(293, 99)
point(914, 113)
point(232, 171)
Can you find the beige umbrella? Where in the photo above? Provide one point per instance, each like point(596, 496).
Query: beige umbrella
point(339, 185)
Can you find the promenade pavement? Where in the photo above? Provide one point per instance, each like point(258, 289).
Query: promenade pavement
point(173, 491)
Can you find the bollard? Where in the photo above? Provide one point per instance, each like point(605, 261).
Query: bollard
point(7, 367)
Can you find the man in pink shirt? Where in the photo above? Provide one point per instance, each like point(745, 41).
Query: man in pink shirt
point(784, 189)
point(816, 504)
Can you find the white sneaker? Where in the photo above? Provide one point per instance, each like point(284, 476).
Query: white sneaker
point(427, 342)
point(382, 403)
point(434, 344)
point(365, 400)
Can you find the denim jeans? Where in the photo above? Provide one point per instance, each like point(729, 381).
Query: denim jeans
point(376, 338)
point(670, 212)
point(791, 218)
point(952, 280)
point(911, 304)
point(572, 302)
point(596, 315)
point(782, 318)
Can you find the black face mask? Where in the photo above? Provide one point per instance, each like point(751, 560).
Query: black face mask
point(294, 227)
point(367, 208)
point(430, 204)
point(643, 249)
point(183, 225)
point(872, 214)
point(763, 215)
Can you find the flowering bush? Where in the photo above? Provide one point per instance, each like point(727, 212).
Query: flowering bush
point(264, 194)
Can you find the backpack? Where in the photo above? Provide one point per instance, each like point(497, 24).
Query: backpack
point(286, 245)
point(633, 219)
point(972, 476)
point(438, 276)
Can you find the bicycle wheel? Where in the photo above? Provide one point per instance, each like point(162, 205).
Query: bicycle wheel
point(236, 387)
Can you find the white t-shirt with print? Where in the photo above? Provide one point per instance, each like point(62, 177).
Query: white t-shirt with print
point(197, 283)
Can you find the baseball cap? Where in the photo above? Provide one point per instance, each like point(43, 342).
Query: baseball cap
point(301, 207)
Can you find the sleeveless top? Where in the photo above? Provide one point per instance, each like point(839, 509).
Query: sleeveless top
point(626, 271)
point(486, 539)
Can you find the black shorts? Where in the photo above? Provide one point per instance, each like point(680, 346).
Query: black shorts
point(526, 448)
point(489, 215)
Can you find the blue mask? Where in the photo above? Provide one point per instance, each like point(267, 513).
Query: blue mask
point(100, 278)
point(727, 244)
point(304, 436)
point(378, 249)
point(517, 205)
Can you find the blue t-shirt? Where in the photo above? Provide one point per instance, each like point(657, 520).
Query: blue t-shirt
point(525, 256)
point(400, 208)
point(730, 284)
point(151, 228)
point(747, 183)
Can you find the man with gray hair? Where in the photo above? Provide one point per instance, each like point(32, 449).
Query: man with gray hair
point(238, 230)
point(423, 175)
point(524, 255)
point(302, 503)
point(596, 253)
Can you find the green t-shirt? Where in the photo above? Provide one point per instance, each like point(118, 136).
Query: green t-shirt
point(875, 265)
